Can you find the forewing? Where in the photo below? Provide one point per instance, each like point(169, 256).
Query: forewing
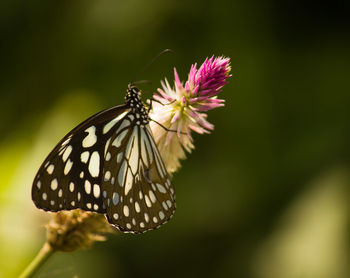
point(70, 177)
point(137, 190)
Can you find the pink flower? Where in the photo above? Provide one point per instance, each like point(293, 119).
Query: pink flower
point(183, 108)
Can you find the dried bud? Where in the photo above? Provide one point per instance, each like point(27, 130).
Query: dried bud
point(71, 230)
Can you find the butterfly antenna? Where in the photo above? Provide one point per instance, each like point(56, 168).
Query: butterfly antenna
point(149, 64)
point(142, 82)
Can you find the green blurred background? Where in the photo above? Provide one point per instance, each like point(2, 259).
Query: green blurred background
point(266, 195)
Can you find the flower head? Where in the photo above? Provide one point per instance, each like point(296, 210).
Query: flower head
point(183, 108)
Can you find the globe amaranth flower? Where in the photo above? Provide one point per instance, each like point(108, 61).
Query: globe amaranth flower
point(183, 108)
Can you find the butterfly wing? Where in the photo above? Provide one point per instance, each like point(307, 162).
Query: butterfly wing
point(70, 177)
point(137, 190)
point(108, 164)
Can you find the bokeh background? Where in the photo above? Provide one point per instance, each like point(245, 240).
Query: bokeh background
point(266, 195)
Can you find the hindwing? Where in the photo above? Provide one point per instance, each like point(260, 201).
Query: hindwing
point(137, 190)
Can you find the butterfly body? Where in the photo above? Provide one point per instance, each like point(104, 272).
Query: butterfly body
point(109, 164)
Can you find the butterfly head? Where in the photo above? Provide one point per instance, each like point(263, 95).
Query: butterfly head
point(133, 95)
point(133, 91)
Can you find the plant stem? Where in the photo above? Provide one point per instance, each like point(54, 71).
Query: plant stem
point(45, 252)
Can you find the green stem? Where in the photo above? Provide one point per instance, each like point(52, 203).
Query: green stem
point(45, 252)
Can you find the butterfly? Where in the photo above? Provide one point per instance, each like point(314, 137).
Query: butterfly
point(109, 164)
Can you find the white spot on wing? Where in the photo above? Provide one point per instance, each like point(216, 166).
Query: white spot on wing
point(68, 166)
point(131, 142)
point(126, 211)
point(121, 174)
point(119, 157)
point(134, 154)
point(143, 149)
point(94, 165)
point(147, 143)
point(66, 141)
point(107, 145)
point(91, 138)
point(153, 187)
point(107, 176)
point(115, 198)
point(109, 125)
point(167, 183)
point(161, 188)
point(118, 140)
point(96, 190)
point(87, 186)
point(54, 184)
point(152, 196)
point(137, 207)
point(66, 153)
point(50, 169)
point(71, 187)
point(128, 182)
point(146, 217)
point(84, 157)
point(148, 202)
point(123, 125)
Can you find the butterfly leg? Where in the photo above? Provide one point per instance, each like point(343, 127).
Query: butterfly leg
point(150, 108)
point(154, 100)
point(167, 129)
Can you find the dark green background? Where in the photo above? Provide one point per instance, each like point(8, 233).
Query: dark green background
point(286, 121)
